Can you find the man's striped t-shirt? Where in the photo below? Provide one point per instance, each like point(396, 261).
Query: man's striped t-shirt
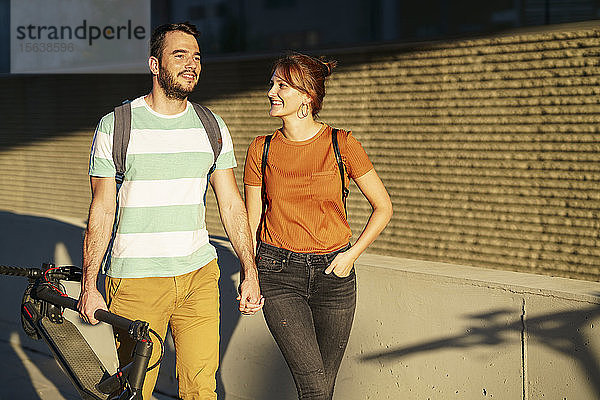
point(161, 225)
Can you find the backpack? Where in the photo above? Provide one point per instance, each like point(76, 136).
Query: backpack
point(121, 134)
point(338, 159)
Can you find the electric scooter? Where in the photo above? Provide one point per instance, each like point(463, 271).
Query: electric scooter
point(42, 310)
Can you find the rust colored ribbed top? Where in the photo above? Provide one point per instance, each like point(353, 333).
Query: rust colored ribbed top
point(304, 189)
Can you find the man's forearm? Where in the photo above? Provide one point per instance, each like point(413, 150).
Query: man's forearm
point(235, 222)
point(95, 242)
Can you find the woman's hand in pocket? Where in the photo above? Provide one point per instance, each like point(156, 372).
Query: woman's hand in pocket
point(341, 265)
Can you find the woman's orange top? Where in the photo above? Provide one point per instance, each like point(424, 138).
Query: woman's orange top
point(304, 189)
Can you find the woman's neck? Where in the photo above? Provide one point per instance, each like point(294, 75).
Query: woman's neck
point(298, 130)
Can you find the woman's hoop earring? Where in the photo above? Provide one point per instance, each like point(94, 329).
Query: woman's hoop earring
point(302, 111)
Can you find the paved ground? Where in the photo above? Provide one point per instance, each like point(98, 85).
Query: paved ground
point(30, 372)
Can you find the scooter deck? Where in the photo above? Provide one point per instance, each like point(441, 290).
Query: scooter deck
point(75, 356)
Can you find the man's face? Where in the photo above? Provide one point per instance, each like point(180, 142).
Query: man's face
point(179, 67)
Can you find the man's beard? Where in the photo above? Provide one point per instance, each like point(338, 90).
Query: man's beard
point(173, 89)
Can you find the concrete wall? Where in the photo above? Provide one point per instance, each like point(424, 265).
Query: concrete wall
point(426, 330)
point(488, 146)
point(423, 330)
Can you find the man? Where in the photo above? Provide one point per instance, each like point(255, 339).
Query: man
point(163, 270)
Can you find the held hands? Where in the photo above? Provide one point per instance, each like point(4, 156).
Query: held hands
point(249, 296)
point(341, 265)
point(90, 300)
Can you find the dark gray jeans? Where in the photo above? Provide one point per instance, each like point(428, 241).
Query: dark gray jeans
point(309, 314)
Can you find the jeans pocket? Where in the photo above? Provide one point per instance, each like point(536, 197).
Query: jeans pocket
point(266, 262)
point(347, 277)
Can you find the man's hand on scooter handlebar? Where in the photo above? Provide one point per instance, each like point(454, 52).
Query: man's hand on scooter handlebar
point(90, 300)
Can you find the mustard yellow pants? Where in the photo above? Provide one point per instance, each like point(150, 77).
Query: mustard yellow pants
point(189, 304)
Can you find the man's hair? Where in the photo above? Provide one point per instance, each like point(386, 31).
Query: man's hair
point(157, 40)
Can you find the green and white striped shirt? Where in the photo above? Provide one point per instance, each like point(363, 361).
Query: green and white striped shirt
point(161, 226)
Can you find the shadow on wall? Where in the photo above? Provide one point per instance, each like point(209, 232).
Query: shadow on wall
point(54, 117)
point(562, 332)
point(28, 241)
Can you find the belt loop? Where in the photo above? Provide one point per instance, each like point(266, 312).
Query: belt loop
point(284, 254)
point(287, 257)
point(330, 256)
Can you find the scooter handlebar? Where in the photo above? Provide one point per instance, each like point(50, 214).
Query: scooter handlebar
point(18, 271)
point(44, 292)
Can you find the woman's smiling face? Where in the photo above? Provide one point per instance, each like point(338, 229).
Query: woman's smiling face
point(285, 100)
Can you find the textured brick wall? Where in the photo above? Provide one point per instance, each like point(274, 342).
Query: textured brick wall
point(489, 147)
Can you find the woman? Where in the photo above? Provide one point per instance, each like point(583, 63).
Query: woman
point(304, 258)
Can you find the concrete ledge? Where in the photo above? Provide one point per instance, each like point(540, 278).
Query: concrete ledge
point(426, 330)
point(494, 279)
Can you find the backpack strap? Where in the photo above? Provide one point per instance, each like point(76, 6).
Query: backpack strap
point(340, 163)
point(212, 130)
point(121, 134)
point(263, 188)
point(122, 130)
